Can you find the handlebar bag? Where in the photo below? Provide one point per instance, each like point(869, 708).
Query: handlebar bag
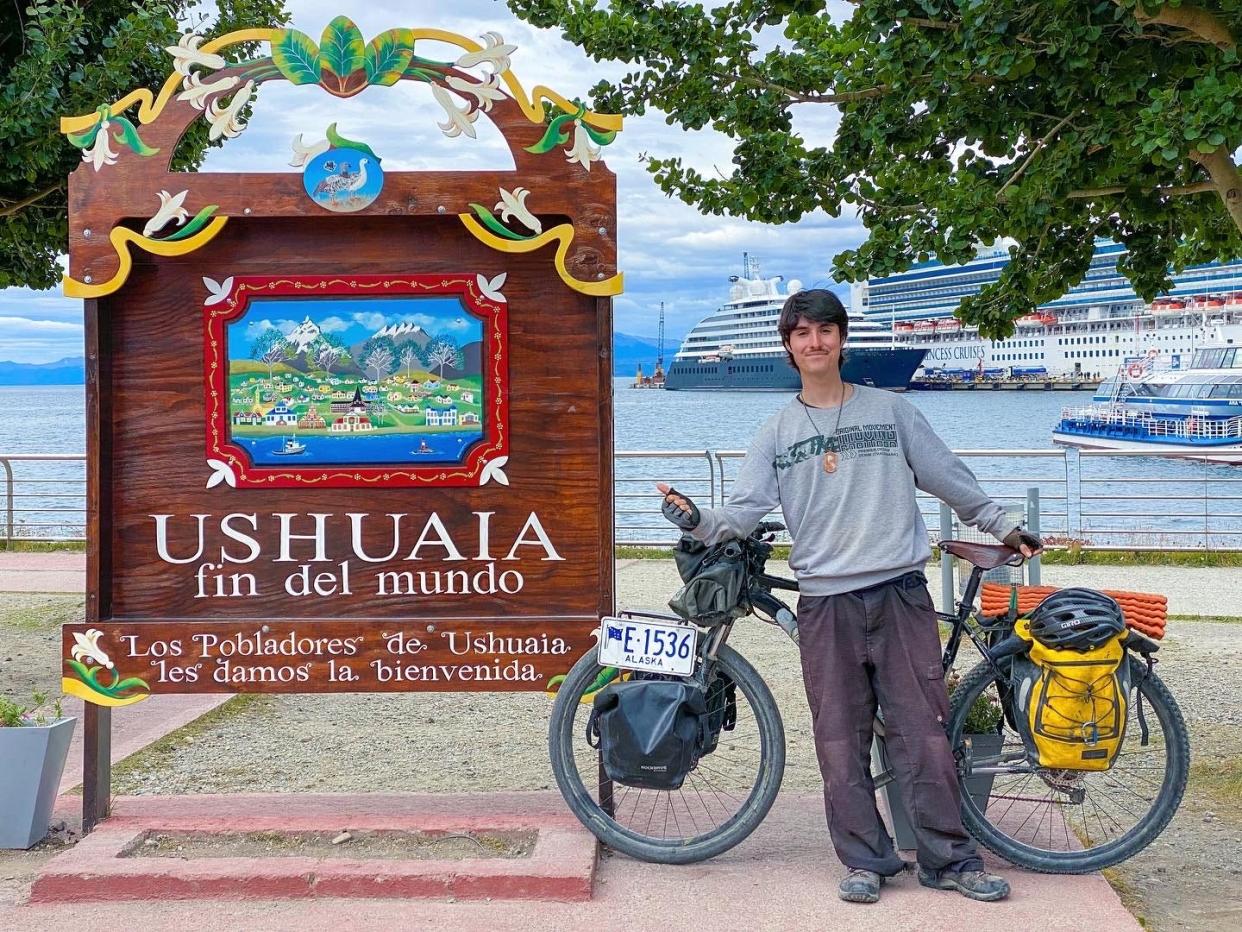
point(1072, 705)
point(650, 733)
point(715, 582)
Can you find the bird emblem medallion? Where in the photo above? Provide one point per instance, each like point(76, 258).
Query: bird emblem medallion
point(342, 176)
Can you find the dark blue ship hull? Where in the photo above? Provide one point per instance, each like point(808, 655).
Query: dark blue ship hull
point(879, 368)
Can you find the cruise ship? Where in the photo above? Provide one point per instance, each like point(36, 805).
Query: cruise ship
point(739, 348)
point(1086, 334)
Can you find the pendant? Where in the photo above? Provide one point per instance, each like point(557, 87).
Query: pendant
point(830, 462)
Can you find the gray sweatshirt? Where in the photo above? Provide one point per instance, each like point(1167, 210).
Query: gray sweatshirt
point(859, 525)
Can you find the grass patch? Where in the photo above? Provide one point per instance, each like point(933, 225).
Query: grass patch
point(29, 545)
point(155, 755)
point(1222, 780)
point(1078, 557)
point(40, 611)
point(1217, 619)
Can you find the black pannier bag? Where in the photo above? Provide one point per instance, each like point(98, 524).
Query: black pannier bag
point(721, 710)
point(715, 582)
point(650, 733)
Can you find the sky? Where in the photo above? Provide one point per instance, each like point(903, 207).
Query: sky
point(667, 250)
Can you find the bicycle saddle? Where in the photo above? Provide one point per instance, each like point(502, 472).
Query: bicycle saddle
point(984, 556)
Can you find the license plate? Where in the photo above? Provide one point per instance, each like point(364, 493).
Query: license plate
point(645, 645)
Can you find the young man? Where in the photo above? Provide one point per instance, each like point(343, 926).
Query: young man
point(843, 462)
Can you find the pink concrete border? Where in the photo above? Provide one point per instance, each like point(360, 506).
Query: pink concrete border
point(561, 866)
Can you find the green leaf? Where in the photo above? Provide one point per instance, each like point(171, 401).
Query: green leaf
point(387, 56)
point(129, 135)
point(554, 136)
point(297, 56)
point(341, 51)
point(196, 223)
point(129, 683)
point(337, 141)
point(489, 220)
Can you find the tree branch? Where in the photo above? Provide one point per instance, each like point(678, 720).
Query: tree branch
point(844, 97)
point(1177, 191)
point(10, 209)
point(1226, 179)
point(1000, 195)
point(1199, 22)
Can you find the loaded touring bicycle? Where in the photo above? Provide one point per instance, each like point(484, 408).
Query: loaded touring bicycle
point(668, 745)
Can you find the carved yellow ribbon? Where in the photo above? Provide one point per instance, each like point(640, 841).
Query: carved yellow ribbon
point(563, 234)
point(120, 238)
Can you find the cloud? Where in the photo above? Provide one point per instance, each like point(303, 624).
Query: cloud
point(334, 325)
point(33, 340)
point(372, 320)
point(256, 327)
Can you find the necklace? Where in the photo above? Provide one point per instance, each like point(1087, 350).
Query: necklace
point(830, 457)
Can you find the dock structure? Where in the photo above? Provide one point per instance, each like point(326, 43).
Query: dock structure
point(1005, 385)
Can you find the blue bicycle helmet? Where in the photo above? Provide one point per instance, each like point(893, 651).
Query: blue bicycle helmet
point(1076, 619)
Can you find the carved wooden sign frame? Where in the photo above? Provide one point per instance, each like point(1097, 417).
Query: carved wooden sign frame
point(386, 467)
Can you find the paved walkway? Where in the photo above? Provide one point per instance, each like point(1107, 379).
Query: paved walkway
point(781, 878)
point(60, 571)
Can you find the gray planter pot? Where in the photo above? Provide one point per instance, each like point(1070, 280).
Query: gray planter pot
point(979, 787)
point(31, 763)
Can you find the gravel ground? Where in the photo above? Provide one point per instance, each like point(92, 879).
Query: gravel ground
point(475, 742)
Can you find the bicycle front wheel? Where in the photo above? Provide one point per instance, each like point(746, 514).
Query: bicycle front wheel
point(723, 799)
point(1073, 821)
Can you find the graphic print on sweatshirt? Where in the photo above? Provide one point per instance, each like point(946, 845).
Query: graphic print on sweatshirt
point(858, 440)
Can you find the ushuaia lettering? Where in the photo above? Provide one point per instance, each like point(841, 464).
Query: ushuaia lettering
point(467, 642)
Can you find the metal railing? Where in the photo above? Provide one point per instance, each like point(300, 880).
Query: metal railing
point(1096, 499)
point(43, 496)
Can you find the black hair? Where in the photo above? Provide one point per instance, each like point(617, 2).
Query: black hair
point(819, 306)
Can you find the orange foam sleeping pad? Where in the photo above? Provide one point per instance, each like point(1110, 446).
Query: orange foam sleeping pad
point(1145, 612)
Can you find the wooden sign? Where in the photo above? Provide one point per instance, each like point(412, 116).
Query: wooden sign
point(349, 429)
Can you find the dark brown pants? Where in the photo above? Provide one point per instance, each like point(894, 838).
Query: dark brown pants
point(881, 644)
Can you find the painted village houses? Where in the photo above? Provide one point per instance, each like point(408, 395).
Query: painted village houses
point(311, 420)
point(281, 414)
point(442, 417)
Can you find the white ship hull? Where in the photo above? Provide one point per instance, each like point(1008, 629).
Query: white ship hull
point(1087, 349)
point(1229, 454)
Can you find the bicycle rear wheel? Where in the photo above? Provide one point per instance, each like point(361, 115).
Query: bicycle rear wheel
point(722, 800)
point(1070, 821)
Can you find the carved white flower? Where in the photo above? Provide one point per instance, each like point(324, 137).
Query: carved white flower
point(582, 151)
point(216, 292)
point(196, 92)
point(495, 470)
point(460, 120)
point(87, 648)
point(303, 153)
point(491, 289)
point(495, 52)
point(101, 152)
point(170, 209)
point(513, 205)
point(226, 120)
point(220, 472)
point(185, 53)
point(486, 91)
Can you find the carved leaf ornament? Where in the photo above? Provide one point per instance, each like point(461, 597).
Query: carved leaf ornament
point(343, 63)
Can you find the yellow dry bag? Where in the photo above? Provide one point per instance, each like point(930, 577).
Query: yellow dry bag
point(1074, 702)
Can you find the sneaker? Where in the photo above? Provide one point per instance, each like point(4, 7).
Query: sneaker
point(978, 885)
point(860, 886)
